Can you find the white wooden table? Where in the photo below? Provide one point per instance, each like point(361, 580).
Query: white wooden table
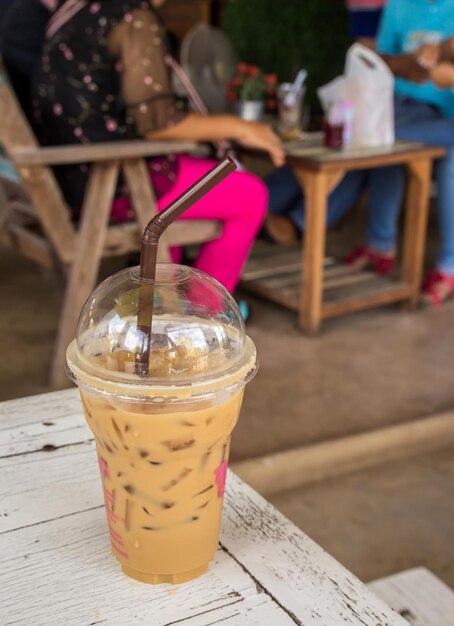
point(418, 595)
point(55, 562)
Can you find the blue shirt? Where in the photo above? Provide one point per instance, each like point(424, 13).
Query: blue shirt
point(406, 25)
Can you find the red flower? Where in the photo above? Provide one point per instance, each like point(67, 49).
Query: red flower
point(241, 68)
point(270, 79)
point(271, 104)
point(250, 84)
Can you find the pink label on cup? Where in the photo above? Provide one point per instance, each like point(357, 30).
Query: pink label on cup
point(113, 517)
point(109, 497)
point(115, 536)
point(103, 468)
point(221, 475)
point(117, 542)
point(119, 551)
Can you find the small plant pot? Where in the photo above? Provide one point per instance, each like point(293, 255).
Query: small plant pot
point(251, 110)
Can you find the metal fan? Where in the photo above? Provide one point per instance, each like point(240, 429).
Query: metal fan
point(208, 58)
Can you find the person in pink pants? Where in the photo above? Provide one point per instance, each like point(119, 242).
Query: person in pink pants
point(239, 202)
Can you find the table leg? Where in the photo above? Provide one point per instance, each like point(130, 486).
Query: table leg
point(84, 270)
point(144, 200)
point(316, 188)
point(416, 209)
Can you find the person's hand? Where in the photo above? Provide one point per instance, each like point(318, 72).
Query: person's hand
point(447, 50)
point(262, 137)
point(412, 70)
point(428, 55)
point(407, 66)
point(443, 75)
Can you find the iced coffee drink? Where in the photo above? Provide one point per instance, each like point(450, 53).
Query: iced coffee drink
point(162, 439)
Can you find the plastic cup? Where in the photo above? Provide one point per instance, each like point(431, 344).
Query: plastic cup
point(162, 439)
point(290, 106)
point(333, 135)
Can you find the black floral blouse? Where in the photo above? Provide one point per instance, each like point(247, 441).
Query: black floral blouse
point(102, 77)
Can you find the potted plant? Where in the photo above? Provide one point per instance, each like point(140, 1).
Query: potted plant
point(251, 91)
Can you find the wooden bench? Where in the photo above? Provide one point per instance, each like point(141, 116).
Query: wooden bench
point(39, 225)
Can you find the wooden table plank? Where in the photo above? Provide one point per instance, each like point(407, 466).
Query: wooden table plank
point(28, 425)
point(293, 568)
point(35, 409)
point(43, 565)
point(264, 260)
point(59, 155)
point(345, 289)
point(57, 483)
point(364, 296)
point(317, 158)
point(418, 595)
point(56, 567)
point(340, 276)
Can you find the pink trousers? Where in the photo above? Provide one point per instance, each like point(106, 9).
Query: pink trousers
point(239, 202)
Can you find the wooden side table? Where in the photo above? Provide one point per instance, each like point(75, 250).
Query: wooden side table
point(319, 170)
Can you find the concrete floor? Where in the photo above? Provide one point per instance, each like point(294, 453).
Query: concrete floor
point(364, 371)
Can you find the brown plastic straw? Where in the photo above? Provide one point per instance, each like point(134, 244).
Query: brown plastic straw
point(149, 250)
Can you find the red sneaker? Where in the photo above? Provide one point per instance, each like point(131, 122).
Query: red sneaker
point(365, 258)
point(437, 288)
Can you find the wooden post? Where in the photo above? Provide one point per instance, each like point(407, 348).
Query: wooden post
point(84, 271)
point(316, 189)
point(144, 200)
point(416, 209)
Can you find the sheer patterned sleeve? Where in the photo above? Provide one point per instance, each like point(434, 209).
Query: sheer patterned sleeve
point(145, 83)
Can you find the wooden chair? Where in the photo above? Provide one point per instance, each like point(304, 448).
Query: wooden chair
point(41, 228)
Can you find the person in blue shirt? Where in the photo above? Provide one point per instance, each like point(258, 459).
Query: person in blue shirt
point(414, 36)
point(424, 111)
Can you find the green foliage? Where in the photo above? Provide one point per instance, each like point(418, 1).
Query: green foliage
point(283, 36)
point(253, 89)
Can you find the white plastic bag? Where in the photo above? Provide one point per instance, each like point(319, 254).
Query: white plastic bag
point(369, 86)
point(332, 93)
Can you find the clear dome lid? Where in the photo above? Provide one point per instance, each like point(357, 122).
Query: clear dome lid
point(197, 332)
